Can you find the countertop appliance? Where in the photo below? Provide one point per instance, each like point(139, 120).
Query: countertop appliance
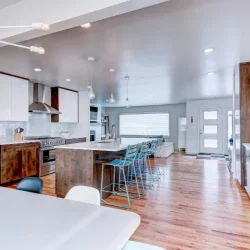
point(92, 135)
point(47, 152)
point(93, 114)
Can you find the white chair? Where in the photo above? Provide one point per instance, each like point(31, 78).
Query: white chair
point(133, 245)
point(84, 194)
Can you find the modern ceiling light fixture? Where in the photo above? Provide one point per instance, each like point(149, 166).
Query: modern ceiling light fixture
point(38, 50)
point(35, 26)
point(91, 92)
point(112, 99)
point(68, 80)
point(127, 103)
point(208, 50)
point(86, 25)
point(37, 70)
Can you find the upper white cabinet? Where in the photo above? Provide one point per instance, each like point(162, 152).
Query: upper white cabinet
point(66, 101)
point(5, 98)
point(19, 100)
point(14, 103)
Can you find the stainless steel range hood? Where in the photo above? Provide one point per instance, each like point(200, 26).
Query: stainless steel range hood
point(39, 105)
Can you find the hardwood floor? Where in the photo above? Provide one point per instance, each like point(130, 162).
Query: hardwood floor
point(196, 205)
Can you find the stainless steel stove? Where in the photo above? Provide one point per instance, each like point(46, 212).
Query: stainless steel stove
point(47, 152)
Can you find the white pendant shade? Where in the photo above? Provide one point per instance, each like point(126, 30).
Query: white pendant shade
point(91, 94)
point(112, 99)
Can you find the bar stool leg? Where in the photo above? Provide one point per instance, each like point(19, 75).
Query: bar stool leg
point(126, 188)
point(136, 181)
point(103, 165)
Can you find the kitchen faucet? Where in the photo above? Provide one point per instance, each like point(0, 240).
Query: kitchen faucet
point(113, 132)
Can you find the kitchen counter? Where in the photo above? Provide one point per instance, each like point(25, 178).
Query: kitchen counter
point(110, 146)
point(12, 141)
point(247, 145)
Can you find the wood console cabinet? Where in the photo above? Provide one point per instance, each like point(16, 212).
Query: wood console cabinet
point(18, 161)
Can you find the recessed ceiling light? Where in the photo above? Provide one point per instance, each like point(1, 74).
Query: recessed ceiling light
point(208, 50)
point(211, 73)
point(158, 103)
point(68, 80)
point(86, 25)
point(112, 70)
point(37, 69)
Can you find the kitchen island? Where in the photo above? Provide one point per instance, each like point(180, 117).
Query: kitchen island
point(80, 164)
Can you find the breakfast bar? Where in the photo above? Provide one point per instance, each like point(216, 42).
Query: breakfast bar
point(80, 164)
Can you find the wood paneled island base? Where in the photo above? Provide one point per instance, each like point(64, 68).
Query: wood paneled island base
point(81, 167)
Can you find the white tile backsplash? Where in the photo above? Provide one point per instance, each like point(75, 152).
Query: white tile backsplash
point(38, 125)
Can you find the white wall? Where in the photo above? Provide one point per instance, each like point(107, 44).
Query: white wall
point(175, 110)
point(193, 109)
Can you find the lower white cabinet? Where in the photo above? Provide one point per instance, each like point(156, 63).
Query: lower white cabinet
point(14, 98)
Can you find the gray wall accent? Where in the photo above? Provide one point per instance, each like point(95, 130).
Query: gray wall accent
point(175, 111)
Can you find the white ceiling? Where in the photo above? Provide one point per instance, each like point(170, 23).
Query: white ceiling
point(6, 3)
point(159, 47)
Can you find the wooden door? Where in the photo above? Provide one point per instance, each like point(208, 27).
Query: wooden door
point(30, 157)
point(19, 161)
point(11, 163)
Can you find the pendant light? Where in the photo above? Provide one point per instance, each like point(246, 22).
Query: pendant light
point(127, 103)
point(91, 92)
point(112, 99)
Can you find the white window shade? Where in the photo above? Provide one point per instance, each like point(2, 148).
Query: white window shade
point(144, 124)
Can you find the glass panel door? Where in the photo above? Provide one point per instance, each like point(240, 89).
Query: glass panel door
point(211, 136)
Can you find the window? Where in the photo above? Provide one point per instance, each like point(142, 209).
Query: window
point(210, 115)
point(144, 124)
point(210, 129)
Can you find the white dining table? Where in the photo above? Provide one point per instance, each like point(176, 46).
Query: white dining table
point(31, 221)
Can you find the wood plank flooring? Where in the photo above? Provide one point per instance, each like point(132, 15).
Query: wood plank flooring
point(196, 205)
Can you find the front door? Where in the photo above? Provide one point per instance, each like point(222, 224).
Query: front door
point(211, 131)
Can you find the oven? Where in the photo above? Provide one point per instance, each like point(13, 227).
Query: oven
point(92, 135)
point(47, 152)
point(47, 161)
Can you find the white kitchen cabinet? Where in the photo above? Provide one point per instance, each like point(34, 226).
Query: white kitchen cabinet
point(13, 98)
point(19, 100)
point(66, 101)
point(5, 98)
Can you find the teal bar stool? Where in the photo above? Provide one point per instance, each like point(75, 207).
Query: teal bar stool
point(145, 169)
point(154, 172)
point(138, 173)
point(120, 185)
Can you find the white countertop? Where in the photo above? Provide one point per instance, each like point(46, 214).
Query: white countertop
point(247, 145)
point(111, 146)
point(11, 141)
point(32, 221)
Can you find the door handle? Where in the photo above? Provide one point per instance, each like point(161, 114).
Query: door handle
point(201, 132)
